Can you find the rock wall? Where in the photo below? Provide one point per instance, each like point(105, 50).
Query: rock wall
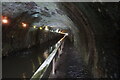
point(15, 36)
point(21, 39)
point(99, 38)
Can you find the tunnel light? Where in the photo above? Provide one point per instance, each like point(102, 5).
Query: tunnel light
point(24, 25)
point(40, 28)
point(4, 20)
point(46, 28)
point(34, 26)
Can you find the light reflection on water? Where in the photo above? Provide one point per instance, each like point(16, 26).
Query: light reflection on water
point(39, 59)
point(33, 66)
point(23, 75)
point(45, 54)
point(25, 63)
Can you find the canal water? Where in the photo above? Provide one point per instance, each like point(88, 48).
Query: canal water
point(22, 64)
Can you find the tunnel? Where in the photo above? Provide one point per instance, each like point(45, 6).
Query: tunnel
point(91, 33)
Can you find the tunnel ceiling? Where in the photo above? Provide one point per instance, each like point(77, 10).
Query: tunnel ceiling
point(40, 14)
point(45, 13)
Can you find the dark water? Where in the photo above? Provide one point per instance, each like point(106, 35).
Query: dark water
point(23, 64)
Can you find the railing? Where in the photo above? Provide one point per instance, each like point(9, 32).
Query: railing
point(51, 59)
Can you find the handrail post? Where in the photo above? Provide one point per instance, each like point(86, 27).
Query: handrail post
point(60, 49)
point(62, 45)
point(53, 66)
point(51, 59)
point(59, 53)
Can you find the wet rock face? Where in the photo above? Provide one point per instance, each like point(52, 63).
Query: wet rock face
point(32, 14)
point(12, 9)
point(99, 35)
point(14, 35)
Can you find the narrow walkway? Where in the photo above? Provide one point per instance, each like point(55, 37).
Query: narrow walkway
point(70, 64)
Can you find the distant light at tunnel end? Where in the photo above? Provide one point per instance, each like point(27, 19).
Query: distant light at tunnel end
point(46, 28)
point(66, 34)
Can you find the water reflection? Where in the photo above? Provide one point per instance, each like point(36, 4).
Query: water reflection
point(25, 65)
point(33, 66)
point(45, 54)
point(39, 60)
point(24, 75)
point(22, 64)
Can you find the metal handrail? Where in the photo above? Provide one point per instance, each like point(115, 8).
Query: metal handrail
point(42, 69)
